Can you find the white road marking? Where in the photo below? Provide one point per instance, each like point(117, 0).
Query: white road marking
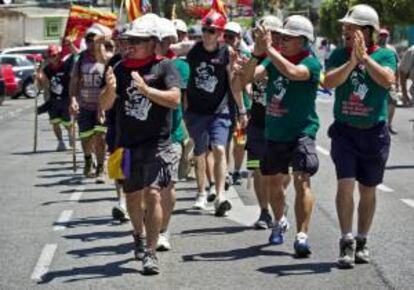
point(240, 213)
point(384, 188)
point(43, 264)
point(408, 202)
point(322, 150)
point(63, 219)
point(76, 196)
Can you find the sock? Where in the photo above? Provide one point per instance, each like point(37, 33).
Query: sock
point(362, 236)
point(348, 236)
point(301, 236)
point(122, 202)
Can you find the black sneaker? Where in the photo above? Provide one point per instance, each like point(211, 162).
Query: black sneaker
point(221, 207)
point(346, 258)
point(119, 214)
point(264, 221)
point(361, 251)
point(150, 264)
point(237, 178)
point(140, 247)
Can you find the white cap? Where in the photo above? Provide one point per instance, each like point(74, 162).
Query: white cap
point(167, 28)
point(233, 27)
point(98, 29)
point(144, 26)
point(180, 25)
point(298, 25)
point(271, 22)
point(362, 15)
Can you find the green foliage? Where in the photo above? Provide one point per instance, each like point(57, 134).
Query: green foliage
point(391, 13)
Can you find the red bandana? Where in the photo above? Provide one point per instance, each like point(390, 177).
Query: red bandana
point(295, 59)
point(136, 63)
point(170, 54)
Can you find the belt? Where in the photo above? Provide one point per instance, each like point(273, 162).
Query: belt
point(362, 126)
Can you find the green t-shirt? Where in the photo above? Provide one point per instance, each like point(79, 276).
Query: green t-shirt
point(246, 99)
point(360, 101)
point(290, 109)
point(178, 132)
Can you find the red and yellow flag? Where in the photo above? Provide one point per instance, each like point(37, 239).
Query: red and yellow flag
point(219, 7)
point(79, 20)
point(136, 8)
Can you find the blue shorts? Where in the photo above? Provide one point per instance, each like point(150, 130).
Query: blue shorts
point(88, 124)
point(207, 129)
point(360, 153)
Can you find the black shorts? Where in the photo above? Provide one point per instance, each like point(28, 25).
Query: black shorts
point(255, 146)
point(360, 153)
point(88, 124)
point(59, 112)
point(150, 168)
point(300, 154)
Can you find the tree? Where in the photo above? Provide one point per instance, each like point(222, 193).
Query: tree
point(391, 12)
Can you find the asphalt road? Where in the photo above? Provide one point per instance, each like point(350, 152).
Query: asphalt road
point(57, 231)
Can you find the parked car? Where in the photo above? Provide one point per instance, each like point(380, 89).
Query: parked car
point(24, 70)
point(10, 83)
point(35, 52)
point(2, 89)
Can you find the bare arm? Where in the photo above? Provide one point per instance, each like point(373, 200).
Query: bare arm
point(288, 69)
point(337, 76)
point(182, 48)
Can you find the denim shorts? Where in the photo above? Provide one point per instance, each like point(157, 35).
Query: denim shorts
point(207, 129)
point(299, 154)
point(360, 153)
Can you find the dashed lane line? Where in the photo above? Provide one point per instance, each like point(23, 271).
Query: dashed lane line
point(43, 264)
point(64, 218)
point(408, 202)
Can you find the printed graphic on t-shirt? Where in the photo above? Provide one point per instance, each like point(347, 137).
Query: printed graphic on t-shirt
point(137, 105)
point(91, 81)
point(56, 86)
point(354, 105)
point(205, 79)
point(259, 95)
point(275, 107)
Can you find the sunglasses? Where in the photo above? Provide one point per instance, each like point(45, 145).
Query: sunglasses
point(89, 40)
point(286, 38)
point(229, 36)
point(137, 40)
point(209, 30)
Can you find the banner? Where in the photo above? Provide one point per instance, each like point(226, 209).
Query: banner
point(135, 8)
point(79, 20)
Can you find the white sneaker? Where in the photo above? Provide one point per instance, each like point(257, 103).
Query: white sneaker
point(61, 146)
point(163, 243)
point(201, 201)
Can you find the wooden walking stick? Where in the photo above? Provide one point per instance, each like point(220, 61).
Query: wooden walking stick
point(73, 133)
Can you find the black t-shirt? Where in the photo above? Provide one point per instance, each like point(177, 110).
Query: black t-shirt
point(258, 109)
point(143, 122)
point(208, 85)
point(110, 114)
point(59, 78)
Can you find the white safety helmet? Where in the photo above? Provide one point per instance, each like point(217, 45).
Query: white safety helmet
point(297, 25)
point(167, 28)
point(180, 25)
point(233, 27)
point(144, 26)
point(271, 22)
point(362, 15)
point(99, 30)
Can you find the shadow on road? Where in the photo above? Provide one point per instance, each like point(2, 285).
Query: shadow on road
point(108, 270)
point(54, 169)
point(87, 200)
point(299, 269)
point(112, 250)
point(73, 180)
point(89, 190)
point(217, 231)
point(33, 153)
point(399, 167)
point(90, 237)
point(234, 255)
point(86, 222)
